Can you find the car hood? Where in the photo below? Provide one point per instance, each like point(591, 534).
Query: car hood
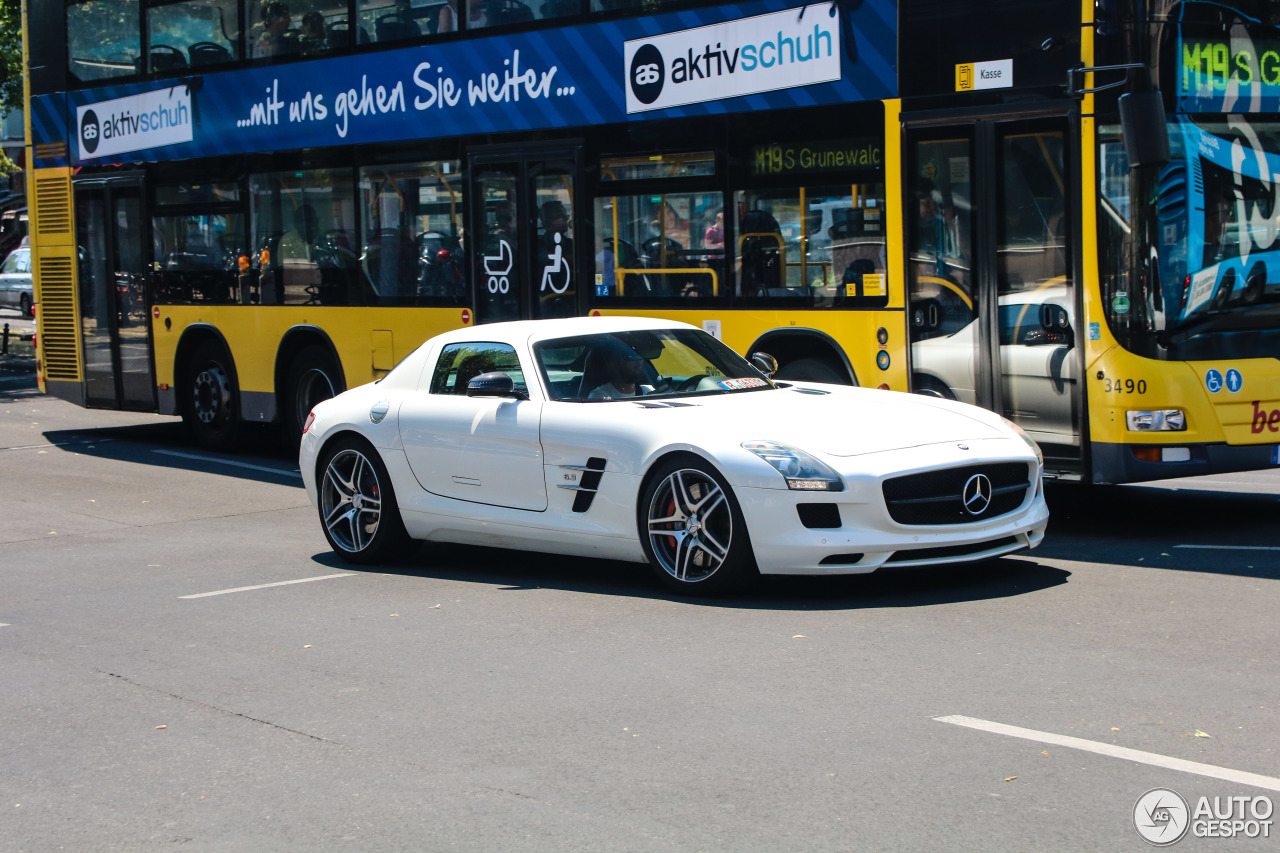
point(842, 422)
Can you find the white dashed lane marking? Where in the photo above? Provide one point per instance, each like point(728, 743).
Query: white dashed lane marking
point(213, 460)
point(266, 585)
point(1270, 783)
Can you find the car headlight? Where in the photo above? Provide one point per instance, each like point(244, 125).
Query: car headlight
point(1022, 434)
point(800, 470)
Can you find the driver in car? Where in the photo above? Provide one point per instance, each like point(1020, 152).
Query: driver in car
point(625, 370)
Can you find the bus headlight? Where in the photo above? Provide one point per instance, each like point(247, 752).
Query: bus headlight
point(801, 470)
point(1158, 420)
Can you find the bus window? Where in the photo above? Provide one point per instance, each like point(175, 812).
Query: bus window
point(823, 244)
point(192, 33)
point(659, 245)
point(197, 257)
point(412, 219)
point(103, 39)
point(296, 27)
point(303, 239)
point(497, 13)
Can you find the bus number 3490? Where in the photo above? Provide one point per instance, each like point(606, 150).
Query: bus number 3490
point(1126, 386)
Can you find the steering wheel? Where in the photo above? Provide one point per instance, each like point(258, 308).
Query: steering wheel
point(690, 384)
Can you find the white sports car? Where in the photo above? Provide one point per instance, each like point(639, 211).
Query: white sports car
point(651, 441)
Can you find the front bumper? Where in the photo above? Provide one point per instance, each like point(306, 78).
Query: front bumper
point(867, 538)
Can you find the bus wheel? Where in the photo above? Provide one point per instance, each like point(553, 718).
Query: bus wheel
point(313, 378)
point(210, 406)
point(812, 370)
point(24, 305)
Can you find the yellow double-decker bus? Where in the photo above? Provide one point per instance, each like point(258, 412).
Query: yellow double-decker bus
point(240, 207)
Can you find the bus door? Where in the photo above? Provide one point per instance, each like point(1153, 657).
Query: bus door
point(524, 215)
point(114, 322)
point(992, 302)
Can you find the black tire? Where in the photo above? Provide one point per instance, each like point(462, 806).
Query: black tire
point(313, 377)
point(930, 387)
point(357, 504)
point(211, 401)
point(812, 370)
point(692, 528)
point(24, 305)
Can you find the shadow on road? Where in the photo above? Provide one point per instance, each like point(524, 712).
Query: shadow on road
point(262, 457)
point(1183, 529)
point(516, 571)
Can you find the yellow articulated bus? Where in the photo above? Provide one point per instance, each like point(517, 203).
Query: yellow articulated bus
point(1059, 212)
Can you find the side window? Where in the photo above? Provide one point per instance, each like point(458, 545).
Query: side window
point(460, 363)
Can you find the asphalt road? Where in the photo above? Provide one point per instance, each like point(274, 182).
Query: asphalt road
point(475, 699)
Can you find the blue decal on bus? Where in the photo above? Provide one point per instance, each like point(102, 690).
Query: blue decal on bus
point(550, 78)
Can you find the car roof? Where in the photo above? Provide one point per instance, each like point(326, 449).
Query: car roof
point(534, 331)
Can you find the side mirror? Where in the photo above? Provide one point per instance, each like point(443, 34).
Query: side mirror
point(495, 384)
point(765, 363)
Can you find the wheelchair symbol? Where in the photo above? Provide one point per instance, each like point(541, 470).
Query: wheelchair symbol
point(558, 262)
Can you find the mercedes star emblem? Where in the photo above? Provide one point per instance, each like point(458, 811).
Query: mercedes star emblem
point(976, 494)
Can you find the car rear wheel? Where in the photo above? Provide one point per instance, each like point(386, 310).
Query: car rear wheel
point(358, 508)
point(692, 529)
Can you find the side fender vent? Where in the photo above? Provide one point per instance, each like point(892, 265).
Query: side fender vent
point(588, 482)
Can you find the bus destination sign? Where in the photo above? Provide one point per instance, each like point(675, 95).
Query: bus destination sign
point(826, 156)
point(1233, 74)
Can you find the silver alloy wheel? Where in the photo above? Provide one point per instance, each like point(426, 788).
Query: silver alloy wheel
point(690, 525)
point(212, 393)
point(351, 500)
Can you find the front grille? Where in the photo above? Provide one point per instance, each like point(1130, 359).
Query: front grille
point(949, 551)
point(934, 497)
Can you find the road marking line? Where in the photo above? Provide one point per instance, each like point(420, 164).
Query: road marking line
point(218, 461)
point(265, 585)
point(59, 444)
point(4, 624)
point(1231, 547)
point(1270, 783)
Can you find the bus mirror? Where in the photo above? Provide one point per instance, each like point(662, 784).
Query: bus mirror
point(1146, 135)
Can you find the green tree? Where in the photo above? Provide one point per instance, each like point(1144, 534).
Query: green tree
point(10, 55)
point(10, 66)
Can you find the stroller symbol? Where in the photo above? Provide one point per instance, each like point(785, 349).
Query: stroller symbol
point(499, 268)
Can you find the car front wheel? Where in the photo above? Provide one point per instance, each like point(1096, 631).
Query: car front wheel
point(692, 529)
point(358, 505)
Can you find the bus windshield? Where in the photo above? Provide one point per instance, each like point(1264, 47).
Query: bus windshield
point(1211, 286)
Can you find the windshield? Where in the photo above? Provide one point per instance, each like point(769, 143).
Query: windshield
point(1210, 285)
point(650, 364)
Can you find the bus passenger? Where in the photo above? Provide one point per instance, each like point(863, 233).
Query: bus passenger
point(276, 39)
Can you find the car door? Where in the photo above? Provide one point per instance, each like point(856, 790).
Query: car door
point(484, 450)
point(1038, 364)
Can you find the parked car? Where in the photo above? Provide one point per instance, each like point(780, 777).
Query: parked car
point(16, 290)
point(523, 435)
